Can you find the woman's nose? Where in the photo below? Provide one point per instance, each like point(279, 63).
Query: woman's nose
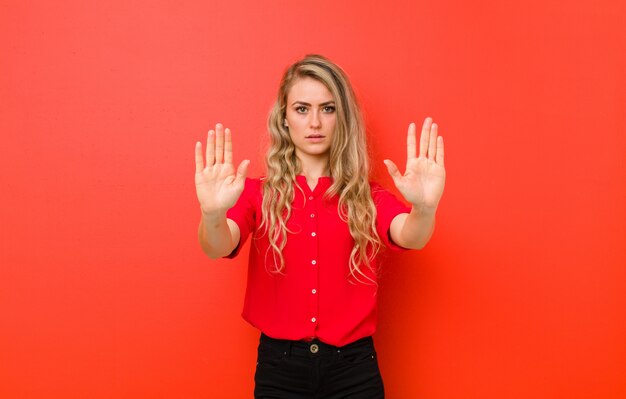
point(315, 119)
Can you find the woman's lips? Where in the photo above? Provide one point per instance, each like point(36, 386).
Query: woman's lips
point(314, 136)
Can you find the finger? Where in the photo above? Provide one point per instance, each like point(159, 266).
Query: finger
point(432, 145)
point(210, 148)
point(219, 143)
point(440, 150)
point(410, 142)
point(228, 147)
point(425, 136)
point(199, 160)
point(392, 169)
point(242, 170)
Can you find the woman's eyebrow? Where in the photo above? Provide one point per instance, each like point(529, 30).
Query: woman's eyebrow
point(307, 104)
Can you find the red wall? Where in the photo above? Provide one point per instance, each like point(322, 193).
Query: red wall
point(105, 293)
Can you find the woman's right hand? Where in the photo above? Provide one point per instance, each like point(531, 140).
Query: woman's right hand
point(218, 186)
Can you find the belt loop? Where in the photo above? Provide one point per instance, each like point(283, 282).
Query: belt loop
point(288, 349)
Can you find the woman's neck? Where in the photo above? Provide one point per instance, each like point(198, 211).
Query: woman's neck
point(314, 174)
point(313, 169)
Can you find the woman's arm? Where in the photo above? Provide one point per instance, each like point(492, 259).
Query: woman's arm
point(412, 230)
point(218, 235)
point(218, 187)
point(421, 185)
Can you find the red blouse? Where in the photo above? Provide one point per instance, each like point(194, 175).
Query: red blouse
point(315, 296)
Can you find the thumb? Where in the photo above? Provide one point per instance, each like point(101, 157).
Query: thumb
point(392, 169)
point(242, 171)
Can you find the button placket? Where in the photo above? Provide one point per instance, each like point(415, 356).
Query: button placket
point(313, 265)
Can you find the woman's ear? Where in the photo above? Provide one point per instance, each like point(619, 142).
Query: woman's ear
point(285, 124)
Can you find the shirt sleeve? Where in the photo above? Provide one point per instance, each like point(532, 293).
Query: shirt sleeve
point(244, 213)
point(387, 208)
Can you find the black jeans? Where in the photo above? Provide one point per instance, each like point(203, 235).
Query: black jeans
point(314, 370)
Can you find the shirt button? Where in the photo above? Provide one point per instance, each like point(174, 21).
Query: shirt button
point(313, 234)
point(314, 348)
point(314, 291)
point(311, 198)
point(312, 215)
point(313, 319)
point(313, 262)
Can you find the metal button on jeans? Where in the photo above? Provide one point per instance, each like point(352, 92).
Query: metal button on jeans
point(314, 348)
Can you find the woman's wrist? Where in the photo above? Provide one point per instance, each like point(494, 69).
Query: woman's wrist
point(423, 210)
point(213, 216)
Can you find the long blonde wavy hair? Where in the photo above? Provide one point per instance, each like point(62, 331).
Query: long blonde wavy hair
point(348, 166)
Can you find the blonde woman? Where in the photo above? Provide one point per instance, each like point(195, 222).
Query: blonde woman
point(317, 225)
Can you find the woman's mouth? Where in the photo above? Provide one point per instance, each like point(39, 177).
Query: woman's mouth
point(314, 137)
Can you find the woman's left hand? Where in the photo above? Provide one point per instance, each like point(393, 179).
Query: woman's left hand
point(425, 176)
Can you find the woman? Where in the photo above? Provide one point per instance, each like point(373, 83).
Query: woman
point(317, 225)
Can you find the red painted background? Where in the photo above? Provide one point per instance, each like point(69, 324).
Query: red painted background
point(105, 293)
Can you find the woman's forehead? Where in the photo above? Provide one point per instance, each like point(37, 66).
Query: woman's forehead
point(310, 91)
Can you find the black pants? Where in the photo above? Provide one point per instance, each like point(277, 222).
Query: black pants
point(298, 370)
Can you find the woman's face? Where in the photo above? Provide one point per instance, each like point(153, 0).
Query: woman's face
point(310, 117)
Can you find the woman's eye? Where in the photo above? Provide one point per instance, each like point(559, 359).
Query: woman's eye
point(301, 110)
point(329, 109)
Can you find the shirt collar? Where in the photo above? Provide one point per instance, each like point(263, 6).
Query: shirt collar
point(323, 183)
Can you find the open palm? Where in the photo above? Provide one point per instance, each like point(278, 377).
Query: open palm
point(424, 178)
point(218, 186)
